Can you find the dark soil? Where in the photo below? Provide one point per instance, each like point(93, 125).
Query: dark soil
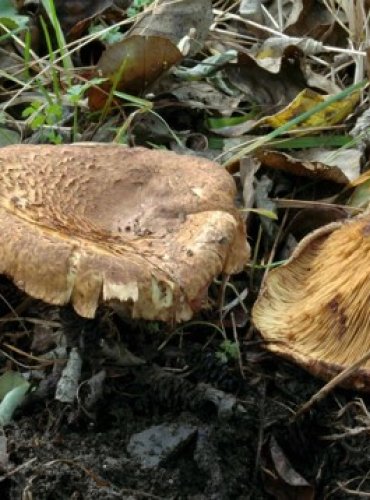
point(256, 450)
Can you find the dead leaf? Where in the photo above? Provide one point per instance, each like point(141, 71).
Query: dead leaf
point(313, 19)
point(334, 113)
point(270, 54)
point(341, 166)
point(263, 188)
point(74, 17)
point(309, 219)
point(9, 136)
point(176, 19)
point(132, 65)
point(202, 95)
point(281, 480)
point(248, 168)
point(251, 9)
point(262, 87)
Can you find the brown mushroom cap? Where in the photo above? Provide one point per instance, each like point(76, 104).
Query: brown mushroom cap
point(315, 310)
point(103, 223)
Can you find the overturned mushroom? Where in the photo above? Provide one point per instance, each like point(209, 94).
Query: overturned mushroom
point(143, 230)
point(315, 310)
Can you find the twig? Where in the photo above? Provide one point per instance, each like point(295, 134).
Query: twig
point(334, 382)
point(236, 340)
point(17, 469)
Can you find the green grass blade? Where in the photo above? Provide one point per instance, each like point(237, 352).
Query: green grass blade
point(295, 121)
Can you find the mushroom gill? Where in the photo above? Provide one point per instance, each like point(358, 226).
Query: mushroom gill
point(315, 309)
point(143, 230)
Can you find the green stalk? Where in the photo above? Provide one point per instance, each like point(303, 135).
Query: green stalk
point(66, 59)
point(54, 74)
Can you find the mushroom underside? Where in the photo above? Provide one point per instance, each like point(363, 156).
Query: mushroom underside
point(315, 309)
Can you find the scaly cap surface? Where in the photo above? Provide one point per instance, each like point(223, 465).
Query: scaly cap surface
point(144, 229)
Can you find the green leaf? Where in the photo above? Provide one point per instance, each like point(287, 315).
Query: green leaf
point(261, 211)
point(228, 350)
point(37, 122)
point(360, 197)
point(54, 113)
point(8, 381)
point(135, 100)
point(9, 16)
point(112, 36)
point(137, 6)
point(76, 92)
point(8, 136)
point(324, 141)
point(221, 122)
point(32, 108)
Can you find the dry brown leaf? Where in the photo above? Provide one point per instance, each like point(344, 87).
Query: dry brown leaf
point(314, 20)
point(341, 166)
point(201, 95)
point(74, 17)
point(11, 63)
point(265, 88)
point(132, 65)
point(312, 218)
point(177, 19)
point(306, 18)
point(272, 51)
point(248, 169)
point(283, 482)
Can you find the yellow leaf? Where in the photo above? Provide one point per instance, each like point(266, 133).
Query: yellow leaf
point(334, 113)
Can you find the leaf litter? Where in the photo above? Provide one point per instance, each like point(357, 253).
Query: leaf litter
point(277, 93)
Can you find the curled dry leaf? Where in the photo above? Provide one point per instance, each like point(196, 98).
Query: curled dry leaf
point(270, 54)
point(281, 480)
point(145, 231)
point(309, 17)
point(314, 310)
point(303, 18)
point(341, 166)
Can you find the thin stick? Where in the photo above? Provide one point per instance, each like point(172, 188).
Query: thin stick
point(327, 388)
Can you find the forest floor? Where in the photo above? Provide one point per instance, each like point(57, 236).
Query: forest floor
point(203, 410)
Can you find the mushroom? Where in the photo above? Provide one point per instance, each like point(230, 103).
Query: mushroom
point(315, 309)
point(142, 230)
